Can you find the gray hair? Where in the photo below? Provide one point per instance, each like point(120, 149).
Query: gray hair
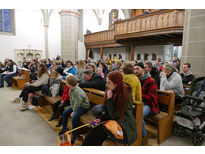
point(170, 67)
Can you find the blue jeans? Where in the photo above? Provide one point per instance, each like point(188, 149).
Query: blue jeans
point(6, 77)
point(146, 111)
point(75, 118)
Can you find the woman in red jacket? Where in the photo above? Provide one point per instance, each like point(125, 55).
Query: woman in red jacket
point(65, 101)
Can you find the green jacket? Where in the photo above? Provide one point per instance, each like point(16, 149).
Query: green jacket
point(78, 99)
point(128, 122)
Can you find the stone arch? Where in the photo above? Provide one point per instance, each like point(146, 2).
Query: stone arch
point(127, 13)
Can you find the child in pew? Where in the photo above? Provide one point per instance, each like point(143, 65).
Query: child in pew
point(65, 101)
point(53, 86)
point(79, 106)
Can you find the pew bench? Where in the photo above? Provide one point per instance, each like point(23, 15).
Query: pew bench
point(96, 97)
point(187, 89)
point(164, 119)
point(19, 81)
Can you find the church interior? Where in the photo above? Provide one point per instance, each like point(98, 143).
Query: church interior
point(101, 36)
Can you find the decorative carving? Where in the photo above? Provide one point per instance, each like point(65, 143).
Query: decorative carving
point(151, 21)
point(28, 53)
point(146, 56)
point(138, 56)
point(154, 57)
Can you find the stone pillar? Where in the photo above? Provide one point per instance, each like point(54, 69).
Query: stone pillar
point(167, 52)
point(69, 34)
point(46, 17)
point(46, 41)
point(80, 34)
point(193, 46)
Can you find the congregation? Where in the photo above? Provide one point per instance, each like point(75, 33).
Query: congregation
point(122, 81)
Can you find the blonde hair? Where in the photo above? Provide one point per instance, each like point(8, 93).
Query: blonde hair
point(81, 63)
point(127, 68)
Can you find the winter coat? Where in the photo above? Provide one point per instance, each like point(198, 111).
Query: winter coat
point(105, 71)
point(128, 122)
point(186, 78)
point(79, 74)
point(172, 82)
point(96, 82)
point(43, 80)
point(71, 70)
point(149, 93)
point(78, 99)
point(155, 74)
point(54, 87)
point(134, 82)
point(66, 96)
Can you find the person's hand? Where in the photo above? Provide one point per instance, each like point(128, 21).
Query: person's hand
point(62, 102)
point(109, 94)
point(189, 82)
point(71, 114)
point(163, 74)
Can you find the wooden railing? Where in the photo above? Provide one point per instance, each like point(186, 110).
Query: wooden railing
point(153, 21)
point(102, 36)
point(156, 23)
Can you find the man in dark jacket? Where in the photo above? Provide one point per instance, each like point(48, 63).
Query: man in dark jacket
point(153, 72)
point(92, 80)
point(187, 76)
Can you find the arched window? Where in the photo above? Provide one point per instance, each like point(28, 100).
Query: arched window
point(7, 25)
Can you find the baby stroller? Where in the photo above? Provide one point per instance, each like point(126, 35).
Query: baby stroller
point(191, 118)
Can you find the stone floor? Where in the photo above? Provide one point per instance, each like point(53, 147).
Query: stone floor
point(27, 128)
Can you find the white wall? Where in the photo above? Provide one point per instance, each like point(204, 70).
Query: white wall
point(112, 51)
point(30, 31)
point(90, 20)
point(152, 49)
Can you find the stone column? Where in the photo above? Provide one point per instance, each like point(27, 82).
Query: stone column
point(167, 52)
point(46, 17)
point(193, 46)
point(69, 34)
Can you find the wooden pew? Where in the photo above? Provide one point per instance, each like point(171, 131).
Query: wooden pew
point(187, 89)
point(164, 119)
point(97, 97)
point(19, 81)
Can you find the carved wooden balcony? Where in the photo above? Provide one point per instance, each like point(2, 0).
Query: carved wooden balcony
point(99, 38)
point(152, 24)
point(161, 27)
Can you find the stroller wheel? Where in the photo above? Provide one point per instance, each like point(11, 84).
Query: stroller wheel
point(178, 130)
point(198, 139)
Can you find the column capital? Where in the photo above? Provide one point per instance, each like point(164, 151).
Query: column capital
point(66, 11)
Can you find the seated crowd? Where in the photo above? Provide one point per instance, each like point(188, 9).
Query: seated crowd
point(122, 82)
